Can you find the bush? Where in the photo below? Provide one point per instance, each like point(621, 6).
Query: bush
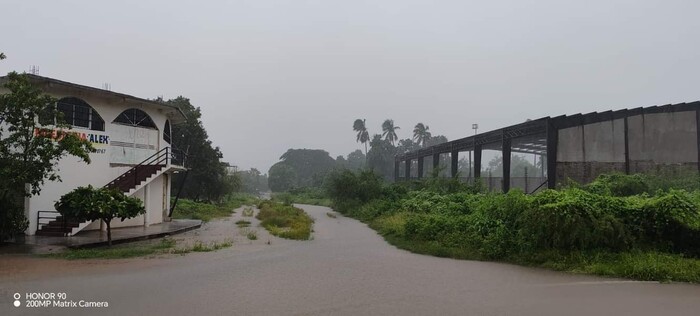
point(572, 219)
point(618, 184)
point(284, 220)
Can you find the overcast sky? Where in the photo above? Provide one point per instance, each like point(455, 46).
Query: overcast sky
point(273, 75)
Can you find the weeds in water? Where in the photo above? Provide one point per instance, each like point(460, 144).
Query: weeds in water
point(332, 215)
point(248, 212)
point(251, 234)
point(199, 246)
point(243, 223)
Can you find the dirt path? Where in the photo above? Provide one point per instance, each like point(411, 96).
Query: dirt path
point(347, 269)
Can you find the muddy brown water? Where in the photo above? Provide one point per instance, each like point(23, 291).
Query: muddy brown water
point(347, 269)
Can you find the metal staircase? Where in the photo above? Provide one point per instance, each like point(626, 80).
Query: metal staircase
point(166, 159)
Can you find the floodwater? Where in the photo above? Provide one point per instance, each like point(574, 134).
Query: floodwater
point(347, 269)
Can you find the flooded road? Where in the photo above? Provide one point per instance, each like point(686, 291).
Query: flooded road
point(347, 269)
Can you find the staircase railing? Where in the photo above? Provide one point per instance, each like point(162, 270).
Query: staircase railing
point(165, 156)
point(51, 216)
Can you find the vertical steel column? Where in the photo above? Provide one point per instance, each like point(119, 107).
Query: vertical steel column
point(505, 148)
point(420, 167)
point(697, 128)
point(627, 148)
point(454, 156)
point(477, 161)
point(436, 163)
point(396, 170)
point(407, 171)
point(552, 140)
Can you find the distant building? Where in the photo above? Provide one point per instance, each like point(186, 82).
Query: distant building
point(134, 153)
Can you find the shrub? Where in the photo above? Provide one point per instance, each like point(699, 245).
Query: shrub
point(284, 220)
point(572, 219)
point(618, 184)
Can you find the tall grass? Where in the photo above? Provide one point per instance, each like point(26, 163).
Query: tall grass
point(188, 209)
point(285, 221)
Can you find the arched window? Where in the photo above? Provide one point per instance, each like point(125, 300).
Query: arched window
point(136, 118)
point(77, 113)
point(166, 132)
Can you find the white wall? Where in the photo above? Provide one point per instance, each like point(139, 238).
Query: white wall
point(102, 169)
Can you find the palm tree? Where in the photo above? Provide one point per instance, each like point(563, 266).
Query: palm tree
point(421, 134)
point(390, 131)
point(362, 134)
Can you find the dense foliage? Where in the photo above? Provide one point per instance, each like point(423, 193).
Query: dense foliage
point(613, 215)
point(300, 168)
point(29, 148)
point(207, 178)
point(285, 221)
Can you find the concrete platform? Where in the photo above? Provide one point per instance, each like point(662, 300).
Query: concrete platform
point(96, 238)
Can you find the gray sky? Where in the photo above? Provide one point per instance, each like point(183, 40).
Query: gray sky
point(273, 75)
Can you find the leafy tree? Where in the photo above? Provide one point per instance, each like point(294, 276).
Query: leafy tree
point(253, 181)
point(356, 160)
point(90, 204)
point(421, 134)
point(341, 162)
point(362, 134)
point(389, 131)
point(436, 140)
point(407, 145)
point(518, 165)
point(206, 179)
point(282, 177)
point(307, 164)
point(2, 56)
point(380, 157)
point(29, 150)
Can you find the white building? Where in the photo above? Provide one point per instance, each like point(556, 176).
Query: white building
point(132, 137)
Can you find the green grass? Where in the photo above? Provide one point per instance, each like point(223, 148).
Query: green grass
point(249, 233)
point(310, 198)
point(122, 251)
point(243, 223)
point(132, 250)
point(199, 246)
point(188, 209)
point(285, 221)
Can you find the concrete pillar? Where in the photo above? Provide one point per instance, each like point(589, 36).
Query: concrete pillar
point(454, 157)
point(506, 164)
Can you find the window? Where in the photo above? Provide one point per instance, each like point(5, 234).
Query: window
point(167, 132)
point(77, 113)
point(136, 118)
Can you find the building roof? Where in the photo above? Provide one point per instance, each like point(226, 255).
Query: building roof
point(531, 136)
point(174, 113)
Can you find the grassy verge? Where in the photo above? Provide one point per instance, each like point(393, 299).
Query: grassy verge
point(285, 221)
point(303, 196)
point(142, 249)
point(207, 211)
point(633, 264)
